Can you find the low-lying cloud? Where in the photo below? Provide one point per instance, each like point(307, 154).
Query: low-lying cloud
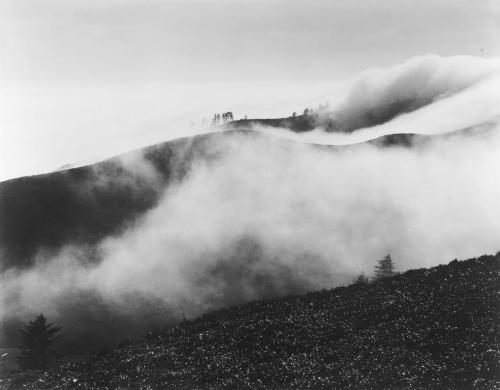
point(269, 217)
point(256, 216)
point(428, 95)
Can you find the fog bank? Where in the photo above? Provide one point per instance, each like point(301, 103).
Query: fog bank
point(258, 216)
point(236, 216)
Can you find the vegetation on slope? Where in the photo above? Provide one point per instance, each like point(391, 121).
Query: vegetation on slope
point(435, 328)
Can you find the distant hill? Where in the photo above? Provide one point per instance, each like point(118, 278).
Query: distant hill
point(340, 122)
point(85, 204)
point(299, 123)
point(435, 328)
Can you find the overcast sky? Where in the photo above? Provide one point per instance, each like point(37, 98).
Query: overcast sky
point(86, 79)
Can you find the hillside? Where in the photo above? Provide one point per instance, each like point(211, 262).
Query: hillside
point(435, 328)
point(85, 204)
point(72, 222)
point(299, 123)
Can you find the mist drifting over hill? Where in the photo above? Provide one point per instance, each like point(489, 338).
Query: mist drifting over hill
point(229, 217)
point(424, 95)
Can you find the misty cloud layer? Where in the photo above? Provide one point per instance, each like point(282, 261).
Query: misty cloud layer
point(255, 216)
point(270, 217)
point(449, 91)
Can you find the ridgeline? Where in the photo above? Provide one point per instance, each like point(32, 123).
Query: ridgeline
point(435, 328)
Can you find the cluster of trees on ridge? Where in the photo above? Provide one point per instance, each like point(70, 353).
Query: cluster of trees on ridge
point(227, 117)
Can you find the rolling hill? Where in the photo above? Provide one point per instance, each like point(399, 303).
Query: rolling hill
point(85, 204)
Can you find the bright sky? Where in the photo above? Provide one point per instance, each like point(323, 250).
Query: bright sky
point(86, 79)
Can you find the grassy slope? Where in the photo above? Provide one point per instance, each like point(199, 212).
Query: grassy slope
point(437, 328)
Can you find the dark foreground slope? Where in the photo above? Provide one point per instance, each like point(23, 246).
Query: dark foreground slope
point(435, 328)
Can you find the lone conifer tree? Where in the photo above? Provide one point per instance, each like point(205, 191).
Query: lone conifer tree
point(384, 268)
point(361, 279)
point(37, 337)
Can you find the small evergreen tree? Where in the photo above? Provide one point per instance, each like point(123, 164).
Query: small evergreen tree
point(361, 279)
point(384, 268)
point(37, 337)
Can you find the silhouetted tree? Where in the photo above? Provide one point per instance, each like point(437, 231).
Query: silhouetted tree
point(227, 117)
point(37, 338)
point(384, 268)
point(361, 279)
